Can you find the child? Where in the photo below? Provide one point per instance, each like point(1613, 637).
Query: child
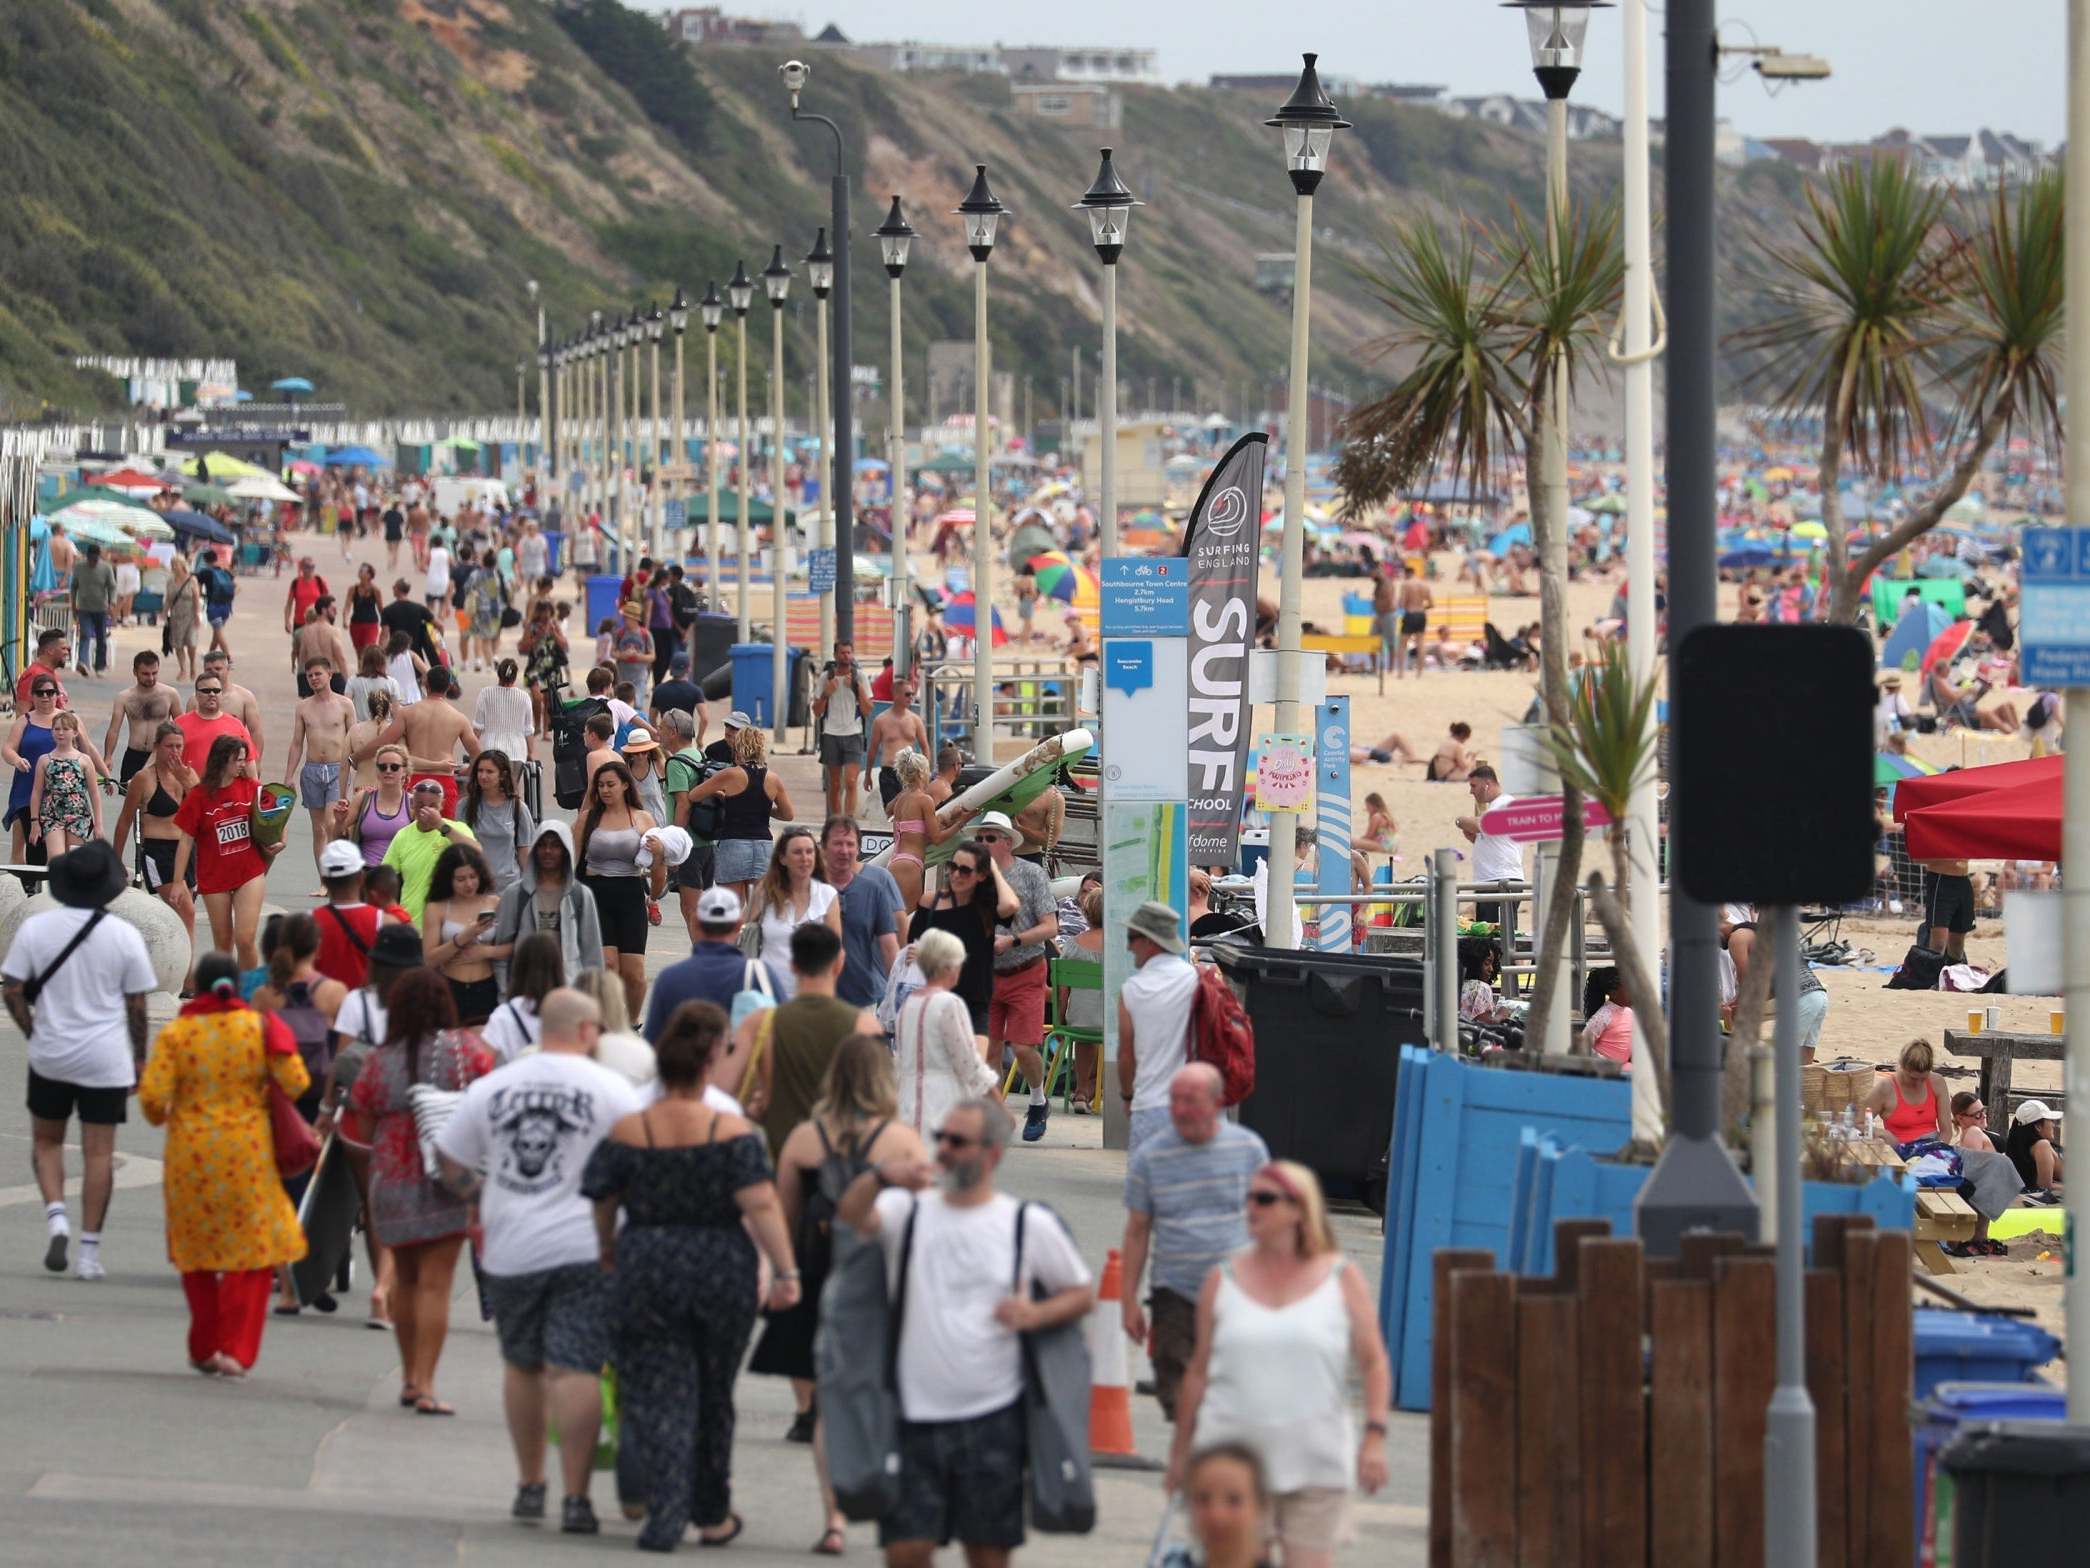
point(606, 641)
point(65, 801)
point(381, 890)
point(1609, 1030)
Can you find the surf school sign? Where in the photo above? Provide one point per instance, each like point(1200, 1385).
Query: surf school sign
point(1220, 544)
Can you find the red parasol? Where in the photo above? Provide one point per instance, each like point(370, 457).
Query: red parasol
point(1944, 647)
point(1915, 794)
point(2023, 823)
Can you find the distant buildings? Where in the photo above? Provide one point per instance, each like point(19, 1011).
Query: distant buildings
point(1961, 162)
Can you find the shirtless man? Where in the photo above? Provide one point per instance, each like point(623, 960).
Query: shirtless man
point(892, 732)
point(1413, 596)
point(239, 702)
point(600, 729)
point(144, 706)
point(320, 638)
point(1039, 823)
point(319, 736)
point(945, 783)
point(433, 731)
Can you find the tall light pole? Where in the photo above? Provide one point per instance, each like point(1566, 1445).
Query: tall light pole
point(982, 212)
point(522, 411)
point(547, 415)
point(2075, 784)
point(776, 280)
point(741, 291)
point(1308, 122)
point(635, 330)
point(820, 273)
point(656, 329)
point(894, 237)
point(1109, 203)
point(713, 311)
point(842, 449)
point(596, 376)
point(678, 439)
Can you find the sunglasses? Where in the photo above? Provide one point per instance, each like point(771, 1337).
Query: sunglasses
point(964, 871)
point(43, 691)
point(391, 767)
point(209, 691)
point(954, 1140)
point(1263, 1197)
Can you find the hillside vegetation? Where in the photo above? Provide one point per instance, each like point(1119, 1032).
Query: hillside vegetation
point(357, 191)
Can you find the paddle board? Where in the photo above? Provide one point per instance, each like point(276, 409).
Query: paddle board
point(1008, 789)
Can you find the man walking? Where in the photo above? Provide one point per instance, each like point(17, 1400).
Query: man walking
point(416, 848)
point(687, 767)
point(1154, 1007)
point(716, 971)
point(319, 729)
point(208, 720)
point(804, 1034)
point(531, 1126)
point(960, 1355)
point(1186, 1200)
point(1016, 1015)
point(840, 709)
point(220, 587)
point(238, 700)
point(92, 592)
point(1416, 600)
point(75, 982)
point(434, 731)
point(140, 709)
point(892, 732)
point(873, 915)
point(1496, 857)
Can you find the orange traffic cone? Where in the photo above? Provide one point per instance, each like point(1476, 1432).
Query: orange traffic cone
point(1110, 1395)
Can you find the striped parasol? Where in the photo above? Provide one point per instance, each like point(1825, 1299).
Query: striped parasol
point(958, 616)
point(1062, 577)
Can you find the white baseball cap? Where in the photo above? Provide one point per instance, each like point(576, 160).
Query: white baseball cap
point(737, 720)
point(340, 859)
point(718, 906)
point(2034, 1111)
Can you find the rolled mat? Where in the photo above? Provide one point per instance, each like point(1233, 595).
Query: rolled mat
point(271, 814)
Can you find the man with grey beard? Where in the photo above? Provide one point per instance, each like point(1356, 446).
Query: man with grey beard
point(960, 1370)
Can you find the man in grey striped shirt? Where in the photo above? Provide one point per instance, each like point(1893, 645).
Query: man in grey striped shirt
point(1186, 1196)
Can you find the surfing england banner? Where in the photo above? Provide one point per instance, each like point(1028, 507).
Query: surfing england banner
point(1220, 544)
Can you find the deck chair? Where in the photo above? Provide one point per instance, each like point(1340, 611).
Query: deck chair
point(1073, 974)
point(1500, 655)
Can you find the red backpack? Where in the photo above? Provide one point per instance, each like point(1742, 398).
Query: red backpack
point(1220, 1034)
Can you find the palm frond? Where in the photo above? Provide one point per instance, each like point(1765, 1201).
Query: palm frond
point(1607, 747)
point(2008, 312)
point(1566, 292)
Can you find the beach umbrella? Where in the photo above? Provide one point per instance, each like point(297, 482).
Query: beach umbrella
point(1809, 531)
point(958, 616)
point(1919, 626)
point(263, 489)
point(91, 530)
point(1891, 767)
point(1610, 503)
point(220, 468)
point(291, 384)
point(130, 481)
point(1938, 788)
point(1944, 647)
point(299, 465)
point(1943, 566)
point(2023, 823)
point(1060, 577)
point(149, 526)
point(357, 457)
point(1515, 534)
point(195, 525)
point(870, 465)
point(198, 494)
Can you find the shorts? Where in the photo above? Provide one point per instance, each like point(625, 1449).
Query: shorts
point(475, 999)
point(1171, 1337)
point(447, 780)
point(319, 785)
point(742, 859)
point(1811, 1009)
point(133, 760)
point(839, 751)
point(888, 788)
point(1388, 627)
point(558, 1316)
point(218, 614)
point(960, 1481)
point(699, 869)
point(1948, 901)
point(364, 634)
point(53, 1101)
point(393, 530)
point(156, 856)
point(620, 909)
point(337, 682)
point(1016, 1016)
point(1414, 622)
point(1312, 1518)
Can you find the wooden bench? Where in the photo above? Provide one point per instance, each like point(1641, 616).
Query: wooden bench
point(1997, 1050)
point(1941, 1216)
point(1344, 643)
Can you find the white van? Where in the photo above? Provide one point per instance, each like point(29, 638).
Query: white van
point(453, 491)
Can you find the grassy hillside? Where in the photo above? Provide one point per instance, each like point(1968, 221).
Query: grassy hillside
point(357, 190)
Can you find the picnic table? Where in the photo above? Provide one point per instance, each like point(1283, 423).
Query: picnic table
point(1941, 1214)
point(1997, 1050)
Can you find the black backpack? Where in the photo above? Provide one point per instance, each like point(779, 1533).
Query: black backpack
point(823, 1199)
point(570, 750)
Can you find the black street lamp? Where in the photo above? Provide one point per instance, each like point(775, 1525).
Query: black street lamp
point(740, 291)
point(1109, 202)
point(820, 273)
point(982, 212)
point(894, 237)
point(713, 311)
point(776, 281)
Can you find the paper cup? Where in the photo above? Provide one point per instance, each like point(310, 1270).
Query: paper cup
point(1994, 1020)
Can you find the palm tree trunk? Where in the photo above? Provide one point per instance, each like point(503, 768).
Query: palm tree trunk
point(1835, 567)
point(1641, 985)
point(1549, 540)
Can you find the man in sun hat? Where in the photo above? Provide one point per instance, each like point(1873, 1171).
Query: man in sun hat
point(76, 981)
point(1154, 1007)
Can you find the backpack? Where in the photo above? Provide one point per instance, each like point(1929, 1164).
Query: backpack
point(311, 1028)
point(1220, 1034)
point(706, 819)
point(823, 1196)
point(570, 749)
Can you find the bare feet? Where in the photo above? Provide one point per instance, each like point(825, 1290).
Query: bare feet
point(227, 1367)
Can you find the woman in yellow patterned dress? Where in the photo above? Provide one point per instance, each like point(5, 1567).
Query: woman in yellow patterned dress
point(230, 1225)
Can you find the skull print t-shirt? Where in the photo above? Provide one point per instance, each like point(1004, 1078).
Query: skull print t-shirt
point(529, 1127)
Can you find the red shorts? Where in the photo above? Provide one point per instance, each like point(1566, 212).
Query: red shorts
point(363, 634)
point(449, 783)
point(1016, 1015)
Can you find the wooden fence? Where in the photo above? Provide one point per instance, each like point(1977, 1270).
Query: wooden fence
point(1563, 1436)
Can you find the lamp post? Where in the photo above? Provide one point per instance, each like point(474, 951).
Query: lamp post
point(820, 273)
point(741, 291)
point(620, 340)
point(894, 237)
point(522, 411)
point(1109, 203)
point(547, 425)
point(597, 379)
point(776, 280)
point(1308, 122)
point(842, 449)
point(678, 441)
point(713, 310)
point(656, 329)
point(635, 340)
point(982, 212)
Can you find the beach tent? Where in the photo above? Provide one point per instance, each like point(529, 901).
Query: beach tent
point(1890, 593)
point(1914, 632)
point(1961, 783)
point(357, 457)
point(2023, 823)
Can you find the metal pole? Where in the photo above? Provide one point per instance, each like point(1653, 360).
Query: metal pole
point(835, 478)
point(843, 508)
point(544, 400)
point(1788, 1441)
point(1642, 825)
point(1444, 929)
point(657, 491)
point(619, 497)
point(711, 497)
point(2075, 820)
point(982, 536)
point(1553, 478)
point(678, 447)
point(746, 462)
point(1280, 930)
point(1107, 410)
point(779, 549)
point(896, 461)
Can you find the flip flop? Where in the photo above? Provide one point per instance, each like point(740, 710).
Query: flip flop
point(429, 1405)
point(831, 1544)
point(409, 1396)
point(282, 1311)
point(739, 1524)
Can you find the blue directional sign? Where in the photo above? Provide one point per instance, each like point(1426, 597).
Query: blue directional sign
point(2054, 610)
point(820, 569)
point(674, 513)
point(1146, 596)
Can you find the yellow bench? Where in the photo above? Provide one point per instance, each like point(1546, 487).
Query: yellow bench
point(1343, 643)
point(1459, 619)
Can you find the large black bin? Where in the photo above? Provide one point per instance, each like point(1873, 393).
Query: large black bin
point(1328, 1032)
point(2020, 1492)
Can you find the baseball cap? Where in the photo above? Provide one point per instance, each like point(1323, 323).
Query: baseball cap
point(679, 664)
point(340, 859)
point(718, 906)
point(2034, 1111)
point(738, 720)
point(993, 821)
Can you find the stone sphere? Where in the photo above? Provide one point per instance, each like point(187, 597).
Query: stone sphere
point(165, 941)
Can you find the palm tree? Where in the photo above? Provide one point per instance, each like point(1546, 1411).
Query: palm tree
point(1500, 323)
point(1891, 296)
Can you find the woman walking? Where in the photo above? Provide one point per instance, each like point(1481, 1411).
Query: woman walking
point(29, 740)
point(184, 610)
point(649, 765)
point(752, 795)
point(534, 972)
point(230, 1224)
point(410, 1210)
point(972, 899)
point(692, 1183)
point(369, 680)
point(406, 668)
point(613, 828)
point(375, 816)
point(154, 795)
point(855, 1119)
point(455, 923)
point(915, 826)
point(1279, 1325)
point(494, 812)
point(305, 1002)
point(366, 603)
point(217, 836)
point(938, 1062)
point(65, 797)
point(793, 892)
point(543, 647)
point(504, 716)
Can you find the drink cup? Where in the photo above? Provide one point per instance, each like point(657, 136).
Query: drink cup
point(1974, 1016)
point(1994, 1020)
point(2056, 1022)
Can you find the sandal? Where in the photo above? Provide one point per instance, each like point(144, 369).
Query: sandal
point(1958, 1249)
point(831, 1544)
point(429, 1405)
point(737, 1523)
point(409, 1396)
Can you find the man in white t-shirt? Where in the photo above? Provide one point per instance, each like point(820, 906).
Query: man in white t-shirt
point(1495, 857)
point(81, 1001)
point(530, 1126)
point(1154, 1008)
point(960, 1352)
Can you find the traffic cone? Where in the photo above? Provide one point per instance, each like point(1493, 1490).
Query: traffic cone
point(1110, 1395)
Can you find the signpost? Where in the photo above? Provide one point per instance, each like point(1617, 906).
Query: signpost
point(2054, 610)
point(1332, 839)
point(820, 569)
point(1538, 819)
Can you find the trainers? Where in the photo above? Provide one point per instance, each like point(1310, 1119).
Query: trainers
point(1034, 1122)
point(529, 1501)
point(54, 1254)
point(577, 1517)
point(89, 1268)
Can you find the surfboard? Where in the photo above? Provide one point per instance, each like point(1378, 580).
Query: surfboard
point(1009, 788)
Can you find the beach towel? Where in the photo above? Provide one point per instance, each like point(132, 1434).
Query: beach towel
point(271, 812)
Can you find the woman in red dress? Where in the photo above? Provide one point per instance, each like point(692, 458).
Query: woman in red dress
point(217, 832)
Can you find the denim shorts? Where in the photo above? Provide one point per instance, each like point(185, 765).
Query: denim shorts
point(742, 859)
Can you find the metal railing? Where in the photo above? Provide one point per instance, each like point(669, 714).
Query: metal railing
point(1034, 698)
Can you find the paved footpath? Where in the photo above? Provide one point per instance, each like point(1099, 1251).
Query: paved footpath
point(112, 1451)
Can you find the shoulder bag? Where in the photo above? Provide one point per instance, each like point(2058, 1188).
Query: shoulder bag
point(859, 1395)
point(1057, 1478)
point(33, 987)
